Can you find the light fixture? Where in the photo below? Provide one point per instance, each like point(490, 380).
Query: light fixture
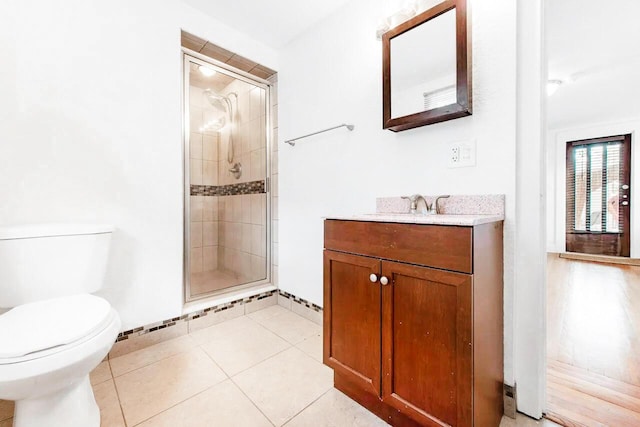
point(422, 5)
point(401, 16)
point(553, 85)
point(383, 27)
point(206, 71)
point(406, 12)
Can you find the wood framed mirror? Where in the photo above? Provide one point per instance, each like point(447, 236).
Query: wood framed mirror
point(426, 68)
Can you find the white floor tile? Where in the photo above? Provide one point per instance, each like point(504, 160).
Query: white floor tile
point(107, 400)
point(152, 389)
point(335, 409)
point(312, 346)
point(222, 405)
point(101, 373)
point(237, 350)
point(283, 385)
point(202, 336)
point(286, 324)
point(137, 359)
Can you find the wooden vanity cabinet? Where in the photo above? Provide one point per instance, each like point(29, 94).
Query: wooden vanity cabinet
point(426, 347)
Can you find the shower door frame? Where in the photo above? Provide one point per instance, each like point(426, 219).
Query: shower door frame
point(189, 56)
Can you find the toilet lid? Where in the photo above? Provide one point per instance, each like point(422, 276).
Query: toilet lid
point(43, 325)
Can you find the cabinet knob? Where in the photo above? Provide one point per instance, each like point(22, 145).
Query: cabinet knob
point(373, 278)
point(384, 280)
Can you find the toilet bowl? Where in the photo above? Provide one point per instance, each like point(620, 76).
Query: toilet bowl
point(51, 344)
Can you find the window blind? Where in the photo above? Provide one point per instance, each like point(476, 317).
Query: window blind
point(439, 98)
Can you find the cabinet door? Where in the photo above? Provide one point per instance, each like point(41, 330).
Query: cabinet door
point(427, 348)
point(352, 321)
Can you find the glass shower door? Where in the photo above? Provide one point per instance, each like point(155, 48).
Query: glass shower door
point(226, 158)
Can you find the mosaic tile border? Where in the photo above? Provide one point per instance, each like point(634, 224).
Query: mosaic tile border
point(301, 301)
point(142, 330)
point(252, 187)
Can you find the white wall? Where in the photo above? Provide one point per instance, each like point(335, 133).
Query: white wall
point(556, 177)
point(90, 130)
point(332, 75)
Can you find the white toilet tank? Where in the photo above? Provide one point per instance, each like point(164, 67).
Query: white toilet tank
point(51, 260)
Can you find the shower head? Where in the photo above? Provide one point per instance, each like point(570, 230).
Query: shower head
point(218, 102)
point(223, 103)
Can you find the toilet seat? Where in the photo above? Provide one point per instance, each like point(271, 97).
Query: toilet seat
point(41, 328)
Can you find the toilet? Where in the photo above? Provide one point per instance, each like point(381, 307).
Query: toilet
point(54, 332)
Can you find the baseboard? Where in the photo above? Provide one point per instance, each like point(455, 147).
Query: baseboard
point(157, 332)
point(154, 333)
point(600, 258)
point(300, 306)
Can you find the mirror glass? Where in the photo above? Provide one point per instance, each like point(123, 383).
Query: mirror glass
point(423, 71)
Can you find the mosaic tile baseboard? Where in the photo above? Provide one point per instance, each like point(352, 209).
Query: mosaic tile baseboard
point(191, 316)
point(253, 187)
point(154, 333)
point(300, 306)
point(301, 301)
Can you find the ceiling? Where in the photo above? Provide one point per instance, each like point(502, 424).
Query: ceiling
point(594, 47)
point(274, 22)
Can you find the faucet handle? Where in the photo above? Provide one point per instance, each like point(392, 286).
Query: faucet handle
point(435, 202)
point(413, 203)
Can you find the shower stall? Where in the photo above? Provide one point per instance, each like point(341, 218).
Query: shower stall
point(226, 162)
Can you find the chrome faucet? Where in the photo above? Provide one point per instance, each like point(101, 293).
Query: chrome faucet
point(413, 200)
point(432, 208)
point(435, 210)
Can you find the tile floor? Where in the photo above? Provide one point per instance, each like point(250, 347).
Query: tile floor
point(262, 369)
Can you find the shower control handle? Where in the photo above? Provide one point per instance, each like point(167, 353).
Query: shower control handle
point(236, 170)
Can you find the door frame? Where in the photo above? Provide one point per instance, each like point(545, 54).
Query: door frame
point(578, 237)
point(189, 56)
point(526, 353)
point(557, 199)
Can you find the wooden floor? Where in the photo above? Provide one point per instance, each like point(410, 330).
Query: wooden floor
point(593, 343)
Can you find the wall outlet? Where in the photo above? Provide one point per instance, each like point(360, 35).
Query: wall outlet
point(461, 154)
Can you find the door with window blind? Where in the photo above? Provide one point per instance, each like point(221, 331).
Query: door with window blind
point(598, 196)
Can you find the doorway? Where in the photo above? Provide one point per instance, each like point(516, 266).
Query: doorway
point(598, 174)
point(226, 162)
point(593, 274)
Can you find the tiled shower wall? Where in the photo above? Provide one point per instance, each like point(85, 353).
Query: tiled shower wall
point(203, 159)
point(228, 233)
point(242, 250)
point(249, 138)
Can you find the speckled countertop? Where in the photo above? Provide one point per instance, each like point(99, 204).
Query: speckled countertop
point(462, 220)
point(463, 210)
